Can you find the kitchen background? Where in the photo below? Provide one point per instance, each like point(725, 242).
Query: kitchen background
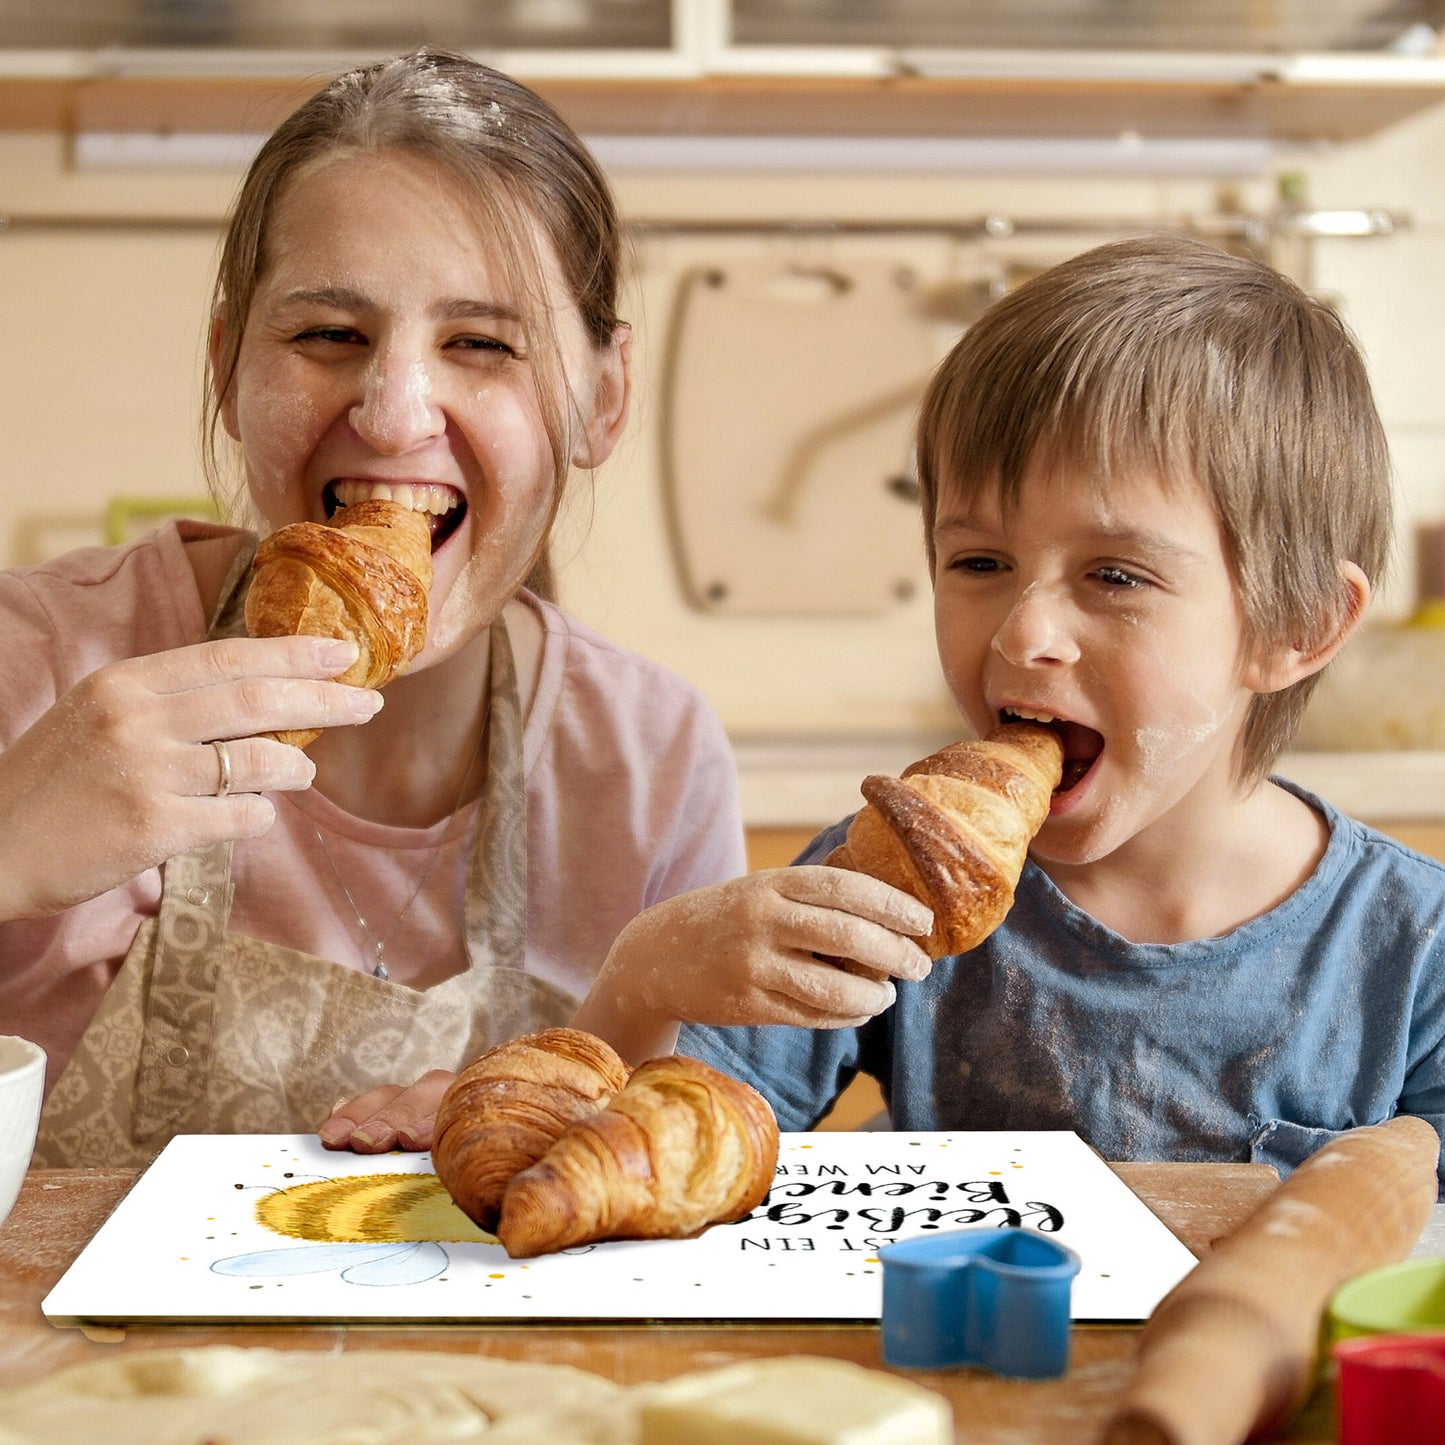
point(823, 192)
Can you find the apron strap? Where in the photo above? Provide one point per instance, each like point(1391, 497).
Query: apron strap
point(496, 891)
point(176, 1042)
point(229, 618)
point(195, 907)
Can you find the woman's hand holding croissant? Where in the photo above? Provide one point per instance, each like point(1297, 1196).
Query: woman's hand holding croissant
point(812, 946)
point(120, 774)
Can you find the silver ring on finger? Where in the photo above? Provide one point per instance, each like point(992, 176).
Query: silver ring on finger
point(223, 758)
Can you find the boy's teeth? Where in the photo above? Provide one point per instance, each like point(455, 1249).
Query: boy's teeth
point(422, 497)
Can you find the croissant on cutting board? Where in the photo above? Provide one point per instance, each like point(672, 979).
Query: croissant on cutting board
point(955, 829)
point(510, 1105)
point(681, 1147)
point(364, 575)
point(548, 1143)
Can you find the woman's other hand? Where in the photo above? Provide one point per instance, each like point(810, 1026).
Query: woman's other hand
point(394, 1116)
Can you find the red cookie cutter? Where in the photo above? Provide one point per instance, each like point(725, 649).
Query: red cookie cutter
point(1390, 1389)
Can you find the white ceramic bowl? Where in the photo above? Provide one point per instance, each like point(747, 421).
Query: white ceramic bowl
point(22, 1082)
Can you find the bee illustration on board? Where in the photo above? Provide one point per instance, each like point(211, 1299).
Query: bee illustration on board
point(375, 1229)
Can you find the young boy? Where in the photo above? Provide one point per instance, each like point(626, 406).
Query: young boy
point(1156, 496)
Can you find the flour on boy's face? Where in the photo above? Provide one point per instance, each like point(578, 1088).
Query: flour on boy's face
point(1110, 611)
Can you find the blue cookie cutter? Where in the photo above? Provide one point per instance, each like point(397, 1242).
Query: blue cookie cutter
point(998, 1298)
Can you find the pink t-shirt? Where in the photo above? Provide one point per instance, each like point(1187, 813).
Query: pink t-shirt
point(631, 798)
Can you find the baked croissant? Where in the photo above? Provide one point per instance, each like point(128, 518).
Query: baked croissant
point(955, 829)
point(508, 1107)
point(364, 575)
point(682, 1147)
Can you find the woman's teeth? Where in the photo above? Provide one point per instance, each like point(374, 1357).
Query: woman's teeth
point(418, 497)
point(1022, 714)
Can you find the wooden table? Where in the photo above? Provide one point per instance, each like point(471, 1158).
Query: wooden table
point(59, 1210)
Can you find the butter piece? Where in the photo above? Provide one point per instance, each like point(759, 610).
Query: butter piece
point(793, 1400)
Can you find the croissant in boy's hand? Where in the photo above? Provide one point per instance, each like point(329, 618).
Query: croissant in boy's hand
point(955, 829)
point(364, 575)
point(567, 1155)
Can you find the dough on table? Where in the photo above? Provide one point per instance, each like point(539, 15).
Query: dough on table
point(228, 1395)
point(225, 1393)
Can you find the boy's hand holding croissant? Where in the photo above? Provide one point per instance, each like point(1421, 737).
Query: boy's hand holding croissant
point(818, 947)
point(811, 946)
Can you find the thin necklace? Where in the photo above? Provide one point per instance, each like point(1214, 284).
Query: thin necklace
point(379, 944)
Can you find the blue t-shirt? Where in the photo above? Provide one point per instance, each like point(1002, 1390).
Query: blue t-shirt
point(1326, 1013)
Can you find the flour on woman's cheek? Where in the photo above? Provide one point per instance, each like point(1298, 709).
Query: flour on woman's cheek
point(496, 566)
point(271, 478)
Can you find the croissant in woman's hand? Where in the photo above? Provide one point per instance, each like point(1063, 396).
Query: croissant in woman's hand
point(681, 1147)
point(955, 829)
point(510, 1105)
point(365, 575)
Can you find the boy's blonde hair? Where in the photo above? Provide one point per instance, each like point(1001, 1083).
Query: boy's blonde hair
point(1166, 357)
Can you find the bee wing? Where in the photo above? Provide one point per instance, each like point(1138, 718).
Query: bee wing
point(304, 1259)
point(406, 1264)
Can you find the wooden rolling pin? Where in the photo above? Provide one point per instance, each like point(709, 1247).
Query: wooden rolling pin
point(1230, 1352)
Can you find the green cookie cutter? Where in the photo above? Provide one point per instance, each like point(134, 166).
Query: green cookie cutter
point(1400, 1299)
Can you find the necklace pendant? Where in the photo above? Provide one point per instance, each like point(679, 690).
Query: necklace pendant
point(380, 971)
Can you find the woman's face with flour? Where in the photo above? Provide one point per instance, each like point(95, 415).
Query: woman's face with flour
point(384, 355)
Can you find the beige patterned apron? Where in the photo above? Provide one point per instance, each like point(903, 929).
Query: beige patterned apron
point(209, 1032)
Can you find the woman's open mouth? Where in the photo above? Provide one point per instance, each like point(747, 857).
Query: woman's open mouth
point(1082, 745)
point(444, 506)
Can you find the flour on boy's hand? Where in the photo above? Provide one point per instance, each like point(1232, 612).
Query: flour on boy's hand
point(954, 831)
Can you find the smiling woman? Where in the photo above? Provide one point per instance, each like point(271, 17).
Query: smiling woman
point(210, 930)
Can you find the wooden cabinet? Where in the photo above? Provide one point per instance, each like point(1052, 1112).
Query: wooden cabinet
point(77, 92)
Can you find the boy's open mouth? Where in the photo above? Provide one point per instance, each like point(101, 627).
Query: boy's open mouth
point(1082, 745)
point(444, 506)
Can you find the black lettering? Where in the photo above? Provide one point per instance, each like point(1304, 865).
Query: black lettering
point(1044, 1217)
point(982, 1191)
point(788, 1213)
